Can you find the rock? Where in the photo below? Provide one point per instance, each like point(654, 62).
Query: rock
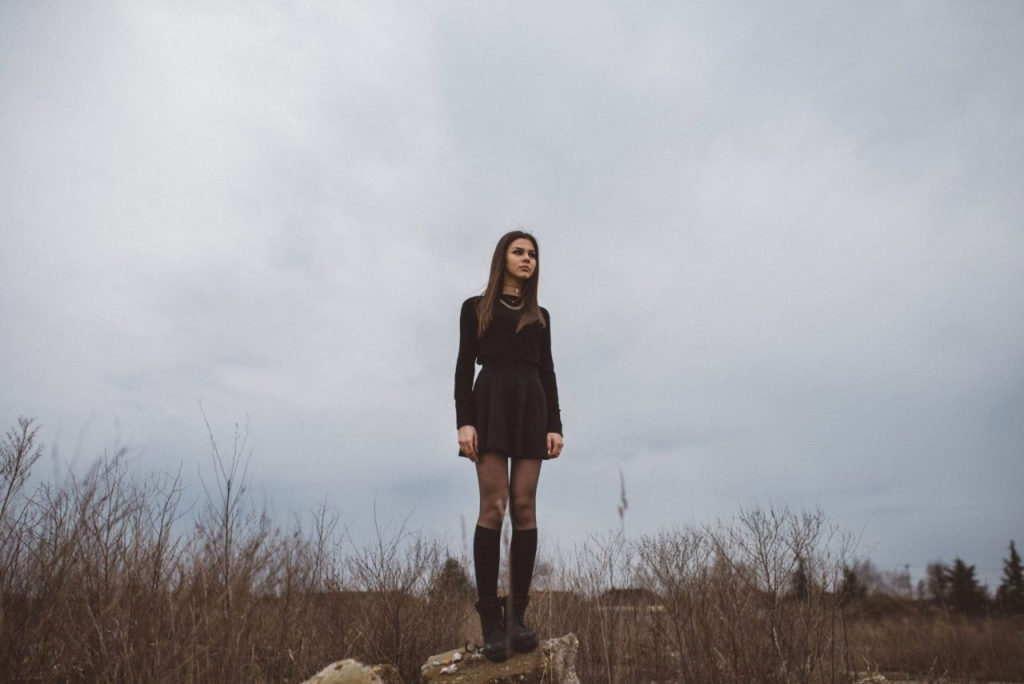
point(553, 662)
point(354, 672)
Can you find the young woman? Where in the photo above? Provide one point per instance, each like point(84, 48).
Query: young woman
point(509, 417)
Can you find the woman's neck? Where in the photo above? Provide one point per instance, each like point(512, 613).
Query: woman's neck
point(512, 288)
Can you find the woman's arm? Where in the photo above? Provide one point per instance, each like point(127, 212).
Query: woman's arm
point(464, 364)
point(547, 378)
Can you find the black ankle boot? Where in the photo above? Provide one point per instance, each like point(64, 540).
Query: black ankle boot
point(521, 637)
point(492, 624)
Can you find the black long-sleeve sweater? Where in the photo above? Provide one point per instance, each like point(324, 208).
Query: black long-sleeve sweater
point(501, 342)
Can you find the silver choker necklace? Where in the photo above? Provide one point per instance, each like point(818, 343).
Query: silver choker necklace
point(512, 307)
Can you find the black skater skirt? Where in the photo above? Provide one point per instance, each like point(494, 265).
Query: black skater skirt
point(511, 410)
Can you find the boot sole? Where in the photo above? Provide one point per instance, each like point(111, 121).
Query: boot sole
point(499, 657)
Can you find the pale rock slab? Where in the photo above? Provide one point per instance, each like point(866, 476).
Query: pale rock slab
point(351, 671)
point(552, 662)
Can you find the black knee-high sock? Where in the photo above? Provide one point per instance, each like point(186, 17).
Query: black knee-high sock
point(486, 560)
point(522, 553)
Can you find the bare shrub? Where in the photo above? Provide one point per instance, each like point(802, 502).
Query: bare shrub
point(678, 567)
point(592, 599)
point(403, 612)
point(94, 564)
point(109, 576)
point(791, 563)
point(19, 452)
point(747, 601)
point(100, 581)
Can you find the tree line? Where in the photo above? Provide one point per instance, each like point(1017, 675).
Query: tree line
point(954, 588)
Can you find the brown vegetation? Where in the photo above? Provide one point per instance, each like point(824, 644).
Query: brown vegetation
point(109, 577)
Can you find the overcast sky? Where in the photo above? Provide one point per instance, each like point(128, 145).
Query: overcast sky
point(782, 245)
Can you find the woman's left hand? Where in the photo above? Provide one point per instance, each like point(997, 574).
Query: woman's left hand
point(555, 444)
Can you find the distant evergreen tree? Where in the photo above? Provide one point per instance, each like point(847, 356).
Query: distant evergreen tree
point(800, 583)
point(936, 586)
point(451, 582)
point(966, 595)
point(1010, 595)
point(853, 588)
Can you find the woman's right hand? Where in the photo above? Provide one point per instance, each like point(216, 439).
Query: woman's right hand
point(467, 442)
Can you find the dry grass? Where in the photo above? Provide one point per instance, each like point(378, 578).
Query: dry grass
point(707, 605)
point(101, 579)
point(914, 640)
point(719, 605)
point(109, 577)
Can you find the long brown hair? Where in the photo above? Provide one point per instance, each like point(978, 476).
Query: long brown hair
point(531, 309)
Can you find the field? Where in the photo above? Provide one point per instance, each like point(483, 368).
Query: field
point(107, 577)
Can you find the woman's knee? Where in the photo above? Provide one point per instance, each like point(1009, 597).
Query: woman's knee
point(492, 508)
point(524, 511)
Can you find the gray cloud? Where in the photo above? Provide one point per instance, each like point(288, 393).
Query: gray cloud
point(781, 248)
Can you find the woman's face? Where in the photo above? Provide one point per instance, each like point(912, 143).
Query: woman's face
point(521, 259)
